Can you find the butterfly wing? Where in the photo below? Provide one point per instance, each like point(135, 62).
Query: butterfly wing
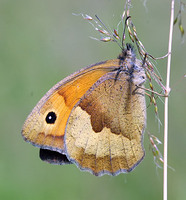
point(104, 132)
point(45, 126)
point(93, 119)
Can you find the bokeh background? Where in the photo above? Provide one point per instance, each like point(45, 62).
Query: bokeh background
point(41, 42)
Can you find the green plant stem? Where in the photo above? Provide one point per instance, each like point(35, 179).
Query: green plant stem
point(166, 104)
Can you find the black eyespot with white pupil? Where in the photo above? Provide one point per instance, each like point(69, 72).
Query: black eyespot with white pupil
point(51, 118)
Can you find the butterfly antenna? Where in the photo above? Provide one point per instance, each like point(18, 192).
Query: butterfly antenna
point(125, 25)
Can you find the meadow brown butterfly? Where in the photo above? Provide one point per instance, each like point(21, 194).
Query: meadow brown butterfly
point(94, 118)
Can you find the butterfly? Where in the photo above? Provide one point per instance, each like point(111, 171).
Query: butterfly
point(94, 118)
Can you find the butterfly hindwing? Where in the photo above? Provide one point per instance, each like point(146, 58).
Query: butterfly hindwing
point(104, 133)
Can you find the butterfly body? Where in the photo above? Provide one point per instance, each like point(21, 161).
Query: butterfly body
point(95, 118)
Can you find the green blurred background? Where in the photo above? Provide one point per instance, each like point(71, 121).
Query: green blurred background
point(41, 42)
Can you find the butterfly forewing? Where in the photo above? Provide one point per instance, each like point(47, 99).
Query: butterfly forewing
point(45, 126)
